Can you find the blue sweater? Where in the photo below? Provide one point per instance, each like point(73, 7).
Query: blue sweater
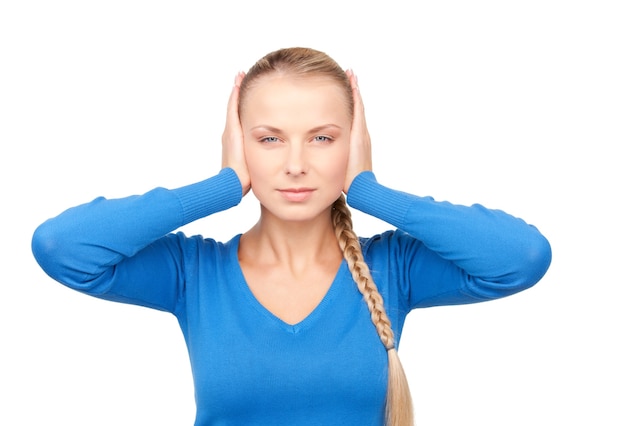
point(249, 367)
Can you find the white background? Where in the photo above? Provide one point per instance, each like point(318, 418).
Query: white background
point(515, 105)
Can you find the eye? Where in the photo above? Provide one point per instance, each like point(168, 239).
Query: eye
point(322, 138)
point(269, 139)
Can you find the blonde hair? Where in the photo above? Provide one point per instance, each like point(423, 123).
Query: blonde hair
point(306, 62)
point(297, 62)
point(399, 404)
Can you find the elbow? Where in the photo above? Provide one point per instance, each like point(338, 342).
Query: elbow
point(68, 261)
point(524, 270)
point(54, 252)
point(538, 260)
point(532, 265)
point(45, 248)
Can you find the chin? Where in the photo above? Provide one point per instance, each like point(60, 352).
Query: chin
point(301, 213)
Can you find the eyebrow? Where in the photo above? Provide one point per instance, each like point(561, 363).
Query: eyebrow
point(313, 130)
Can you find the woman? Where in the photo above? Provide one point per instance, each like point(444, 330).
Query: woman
point(284, 323)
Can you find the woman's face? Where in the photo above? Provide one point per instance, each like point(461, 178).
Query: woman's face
point(296, 141)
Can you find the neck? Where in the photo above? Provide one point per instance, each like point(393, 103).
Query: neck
point(297, 244)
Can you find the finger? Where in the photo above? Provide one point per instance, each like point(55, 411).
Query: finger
point(359, 108)
point(232, 129)
point(233, 101)
point(239, 77)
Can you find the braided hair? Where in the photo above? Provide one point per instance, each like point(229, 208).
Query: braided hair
point(399, 405)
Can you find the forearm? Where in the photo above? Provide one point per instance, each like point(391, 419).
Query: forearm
point(490, 245)
point(83, 242)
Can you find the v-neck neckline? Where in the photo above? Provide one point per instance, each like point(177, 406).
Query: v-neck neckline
point(309, 319)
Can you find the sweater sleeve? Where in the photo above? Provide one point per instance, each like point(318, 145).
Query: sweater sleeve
point(127, 242)
point(453, 254)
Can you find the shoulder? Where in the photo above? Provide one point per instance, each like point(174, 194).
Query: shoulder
point(386, 241)
point(392, 250)
point(200, 244)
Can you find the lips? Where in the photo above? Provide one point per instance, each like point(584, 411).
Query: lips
point(296, 194)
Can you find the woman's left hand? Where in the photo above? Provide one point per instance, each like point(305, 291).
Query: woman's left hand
point(360, 158)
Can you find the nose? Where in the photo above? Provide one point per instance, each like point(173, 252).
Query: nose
point(295, 163)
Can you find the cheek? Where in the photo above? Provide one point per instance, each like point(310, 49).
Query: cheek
point(247, 152)
point(255, 158)
point(336, 165)
point(255, 171)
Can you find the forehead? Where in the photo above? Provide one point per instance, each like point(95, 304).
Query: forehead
point(277, 97)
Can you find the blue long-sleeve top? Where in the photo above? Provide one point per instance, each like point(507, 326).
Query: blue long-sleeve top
point(250, 367)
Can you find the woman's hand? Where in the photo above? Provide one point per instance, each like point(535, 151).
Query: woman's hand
point(232, 139)
point(360, 158)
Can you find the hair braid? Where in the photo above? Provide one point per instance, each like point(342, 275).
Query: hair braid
point(350, 245)
point(399, 404)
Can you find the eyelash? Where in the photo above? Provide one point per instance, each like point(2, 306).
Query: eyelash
point(327, 139)
point(265, 139)
point(274, 139)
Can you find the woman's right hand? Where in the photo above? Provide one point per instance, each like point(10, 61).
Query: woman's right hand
point(232, 139)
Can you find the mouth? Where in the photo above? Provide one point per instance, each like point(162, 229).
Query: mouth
point(296, 194)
